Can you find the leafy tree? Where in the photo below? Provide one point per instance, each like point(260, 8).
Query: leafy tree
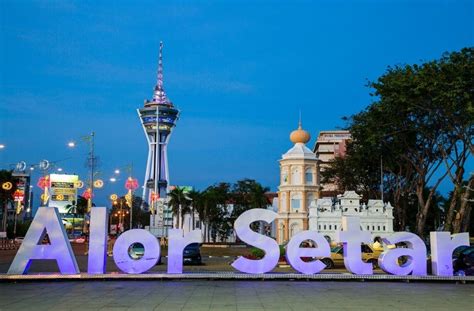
point(421, 125)
point(180, 204)
point(248, 194)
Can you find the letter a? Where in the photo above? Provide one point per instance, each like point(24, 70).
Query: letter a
point(46, 221)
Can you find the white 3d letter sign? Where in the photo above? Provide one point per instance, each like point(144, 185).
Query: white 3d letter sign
point(97, 241)
point(46, 221)
point(442, 247)
point(294, 252)
point(415, 253)
point(352, 238)
point(122, 247)
point(177, 243)
point(267, 244)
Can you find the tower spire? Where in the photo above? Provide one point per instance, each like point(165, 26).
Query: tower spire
point(299, 121)
point(159, 95)
point(159, 81)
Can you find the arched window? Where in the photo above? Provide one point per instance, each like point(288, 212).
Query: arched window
point(308, 175)
point(294, 229)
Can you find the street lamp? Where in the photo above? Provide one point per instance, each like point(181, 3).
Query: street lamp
point(89, 139)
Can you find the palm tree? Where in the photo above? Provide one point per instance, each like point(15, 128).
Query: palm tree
point(75, 208)
point(180, 204)
point(196, 205)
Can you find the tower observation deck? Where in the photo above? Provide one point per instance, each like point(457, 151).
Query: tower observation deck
point(158, 118)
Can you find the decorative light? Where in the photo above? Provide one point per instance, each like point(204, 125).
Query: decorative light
point(87, 194)
point(60, 169)
point(117, 171)
point(98, 183)
point(71, 144)
point(113, 179)
point(2, 146)
point(7, 185)
point(43, 182)
point(131, 183)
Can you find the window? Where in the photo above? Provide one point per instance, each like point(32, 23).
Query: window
point(373, 228)
point(335, 227)
point(330, 227)
point(383, 228)
point(295, 177)
point(319, 227)
point(308, 176)
point(295, 203)
point(368, 228)
point(378, 228)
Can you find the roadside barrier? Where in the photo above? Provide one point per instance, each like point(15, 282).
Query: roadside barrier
point(8, 244)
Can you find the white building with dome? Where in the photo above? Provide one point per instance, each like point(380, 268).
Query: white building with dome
point(375, 216)
point(299, 187)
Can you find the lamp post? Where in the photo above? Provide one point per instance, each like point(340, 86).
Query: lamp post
point(131, 184)
point(90, 140)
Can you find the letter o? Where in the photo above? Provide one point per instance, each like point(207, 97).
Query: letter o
point(151, 251)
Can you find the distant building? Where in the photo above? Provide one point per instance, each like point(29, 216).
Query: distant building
point(329, 145)
point(299, 187)
point(375, 216)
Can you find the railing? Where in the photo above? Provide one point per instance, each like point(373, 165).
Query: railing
point(9, 244)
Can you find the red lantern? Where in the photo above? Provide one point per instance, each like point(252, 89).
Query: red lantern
point(43, 182)
point(87, 194)
point(131, 184)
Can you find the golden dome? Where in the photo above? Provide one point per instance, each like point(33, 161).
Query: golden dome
point(299, 136)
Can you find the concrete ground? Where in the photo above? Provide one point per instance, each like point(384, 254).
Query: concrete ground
point(235, 295)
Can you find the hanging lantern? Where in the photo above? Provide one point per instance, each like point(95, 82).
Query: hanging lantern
point(131, 183)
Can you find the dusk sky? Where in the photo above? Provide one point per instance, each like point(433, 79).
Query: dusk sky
point(239, 72)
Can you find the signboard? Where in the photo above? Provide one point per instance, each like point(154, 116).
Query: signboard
point(442, 245)
point(21, 195)
point(63, 191)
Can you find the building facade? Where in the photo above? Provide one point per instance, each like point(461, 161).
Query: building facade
point(299, 187)
point(375, 216)
point(328, 146)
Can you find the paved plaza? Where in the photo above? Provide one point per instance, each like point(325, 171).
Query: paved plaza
point(235, 295)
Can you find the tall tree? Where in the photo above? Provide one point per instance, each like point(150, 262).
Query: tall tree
point(421, 125)
point(180, 204)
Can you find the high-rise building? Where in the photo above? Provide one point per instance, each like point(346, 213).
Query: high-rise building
point(158, 118)
point(329, 145)
point(299, 187)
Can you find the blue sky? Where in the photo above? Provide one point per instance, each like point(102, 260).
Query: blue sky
point(238, 71)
